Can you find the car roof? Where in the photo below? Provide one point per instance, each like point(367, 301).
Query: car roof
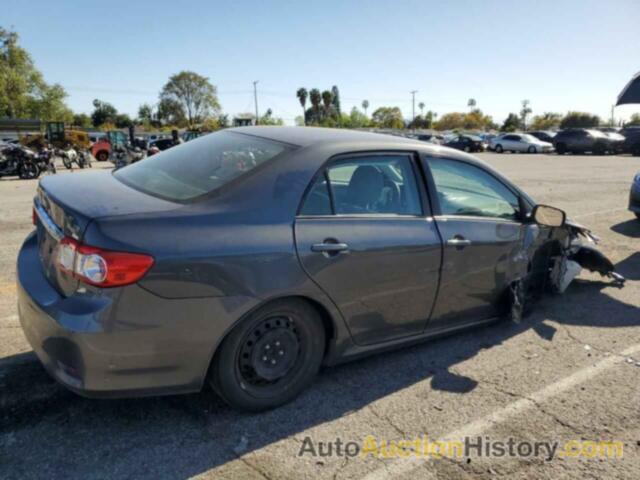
point(308, 136)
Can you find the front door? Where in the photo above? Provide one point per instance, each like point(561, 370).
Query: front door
point(483, 237)
point(363, 236)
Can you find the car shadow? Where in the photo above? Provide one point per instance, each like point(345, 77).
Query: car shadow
point(182, 436)
point(629, 228)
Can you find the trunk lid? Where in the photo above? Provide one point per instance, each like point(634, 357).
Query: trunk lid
point(66, 204)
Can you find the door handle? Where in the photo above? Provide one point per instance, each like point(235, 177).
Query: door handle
point(459, 242)
point(329, 247)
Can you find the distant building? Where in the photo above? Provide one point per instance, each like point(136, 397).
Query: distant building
point(244, 121)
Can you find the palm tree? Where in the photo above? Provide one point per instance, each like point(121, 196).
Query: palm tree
point(365, 105)
point(315, 98)
point(302, 97)
point(471, 103)
point(327, 98)
point(421, 107)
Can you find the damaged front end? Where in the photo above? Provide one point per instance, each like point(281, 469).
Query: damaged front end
point(578, 250)
point(569, 248)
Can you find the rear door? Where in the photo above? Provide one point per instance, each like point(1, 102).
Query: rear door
point(365, 235)
point(479, 220)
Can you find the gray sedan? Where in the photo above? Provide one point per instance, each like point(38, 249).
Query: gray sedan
point(248, 258)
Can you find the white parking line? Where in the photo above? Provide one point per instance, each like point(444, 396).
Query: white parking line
point(401, 466)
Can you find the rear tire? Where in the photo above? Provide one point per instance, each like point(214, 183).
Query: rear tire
point(102, 156)
point(270, 356)
point(499, 148)
point(561, 148)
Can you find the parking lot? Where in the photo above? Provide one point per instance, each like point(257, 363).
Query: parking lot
point(569, 371)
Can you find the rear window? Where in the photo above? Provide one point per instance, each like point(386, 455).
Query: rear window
point(200, 166)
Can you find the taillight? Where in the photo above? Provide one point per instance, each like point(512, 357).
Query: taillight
point(34, 216)
point(102, 268)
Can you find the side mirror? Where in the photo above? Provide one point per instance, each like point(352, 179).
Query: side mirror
point(548, 216)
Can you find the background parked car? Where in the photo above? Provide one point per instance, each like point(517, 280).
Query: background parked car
point(634, 196)
point(631, 140)
point(519, 142)
point(467, 143)
point(543, 135)
point(582, 140)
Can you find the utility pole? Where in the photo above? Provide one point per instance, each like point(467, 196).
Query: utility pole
point(255, 99)
point(613, 120)
point(413, 107)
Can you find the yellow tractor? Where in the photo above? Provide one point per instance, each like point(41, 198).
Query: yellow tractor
point(59, 137)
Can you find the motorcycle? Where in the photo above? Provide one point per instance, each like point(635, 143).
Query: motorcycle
point(16, 160)
point(44, 161)
point(70, 156)
point(126, 155)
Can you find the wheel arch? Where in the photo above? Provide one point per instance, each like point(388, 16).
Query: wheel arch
point(329, 324)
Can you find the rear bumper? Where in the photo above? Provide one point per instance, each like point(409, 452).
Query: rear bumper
point(120, 342)
point(634, 198)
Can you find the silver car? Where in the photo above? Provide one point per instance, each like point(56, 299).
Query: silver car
point(519, 142)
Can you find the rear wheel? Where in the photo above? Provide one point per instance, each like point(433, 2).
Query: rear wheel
point(499, 148)
point(270, 357)
point(102, 156)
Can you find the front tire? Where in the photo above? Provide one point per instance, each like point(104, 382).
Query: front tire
point(29, 171)
point(531, 149)
point(270, 356)
point(561, 149)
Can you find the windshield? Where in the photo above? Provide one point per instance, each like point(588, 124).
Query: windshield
point(200, 166)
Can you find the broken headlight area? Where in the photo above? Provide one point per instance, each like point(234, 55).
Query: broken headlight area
point(579, 251)
point(573, 249)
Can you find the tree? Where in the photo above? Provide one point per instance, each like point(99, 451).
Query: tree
point(335, 101)
point(315, 98)
point(471, 103)
point(634, 120)
point(269, 119)
point(194, 93)
point(365, 105)
point(23, 91)
point(82, 120)
point(579, 120)
point(103, 112)
point(170, 112)
point(327, 98)
point(526, 110)
point(511, 123)
point(388, 117)
point(302, 95)
point(546, 121)
point(421, 107)
point(450, 121)
point(356, 119)
point(122, 120)
point(145, 113)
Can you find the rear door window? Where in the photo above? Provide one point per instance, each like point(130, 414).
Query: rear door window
point(367, 185)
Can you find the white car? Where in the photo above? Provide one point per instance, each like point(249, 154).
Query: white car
point(519, 142)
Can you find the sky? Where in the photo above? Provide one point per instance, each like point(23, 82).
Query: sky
point(560, 55)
